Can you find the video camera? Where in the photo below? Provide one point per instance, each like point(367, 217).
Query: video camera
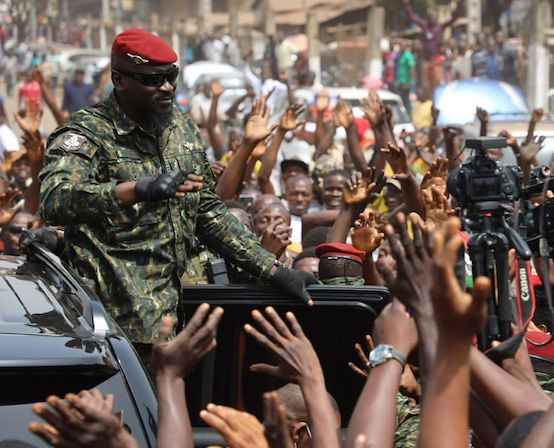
point(481, 179)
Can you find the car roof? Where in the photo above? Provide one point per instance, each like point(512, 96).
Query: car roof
point(193, 71)
point(45, 313)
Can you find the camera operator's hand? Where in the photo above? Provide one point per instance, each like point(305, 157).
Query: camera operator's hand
point(165, 186)
point(293, 283)
point(47, 236)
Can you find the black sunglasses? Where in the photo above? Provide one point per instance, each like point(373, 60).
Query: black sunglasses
point(152, 79)
point(16, 230)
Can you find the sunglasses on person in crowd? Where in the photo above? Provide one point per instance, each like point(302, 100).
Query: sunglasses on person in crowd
point(152, 79)
point(16, 230)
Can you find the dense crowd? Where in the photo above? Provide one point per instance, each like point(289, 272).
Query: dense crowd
point(346, 201)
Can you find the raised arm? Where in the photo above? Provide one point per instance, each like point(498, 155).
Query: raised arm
point(289, 122)
point(345, 118)
point(217, 139)
point(413, 16)
point(375, 413)
point(366, 237)
point(456, 12)
point(174, 360)
point(59, 115)
point(357, 193)
point(256, 131)
point(297, 362)
point(483, 117)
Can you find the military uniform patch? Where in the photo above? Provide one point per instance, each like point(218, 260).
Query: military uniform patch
point(72, 142)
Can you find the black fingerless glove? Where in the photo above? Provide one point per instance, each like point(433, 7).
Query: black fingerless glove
point(158, 188)
point(47, 236)
point(293, 283)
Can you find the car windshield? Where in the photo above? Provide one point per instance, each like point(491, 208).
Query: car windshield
point(24, 387)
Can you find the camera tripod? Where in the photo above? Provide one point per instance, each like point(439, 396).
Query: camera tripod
point(488, 250)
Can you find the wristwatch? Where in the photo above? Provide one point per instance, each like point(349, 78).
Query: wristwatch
point(382, 353)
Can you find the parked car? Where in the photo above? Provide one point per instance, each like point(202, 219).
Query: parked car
point(90, 60)
point(341, 316)
point(354, 97)
point(506, 105)
point(197, 74)
point(56, 338)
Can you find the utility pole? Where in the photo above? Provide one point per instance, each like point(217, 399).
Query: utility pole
point(473, 20)
point(33, 20)
point(538, 75)
point(205, 15)
point(103, 23)
point(375, 32)
point(314, 58)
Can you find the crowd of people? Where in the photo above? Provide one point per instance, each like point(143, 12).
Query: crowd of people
point(141, 210)
point(432, 60)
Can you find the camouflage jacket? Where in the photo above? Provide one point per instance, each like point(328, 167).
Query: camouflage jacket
point(407, 423)
point(134, 256)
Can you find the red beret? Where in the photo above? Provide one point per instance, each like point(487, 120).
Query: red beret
point(340, 250)
point(143, 47)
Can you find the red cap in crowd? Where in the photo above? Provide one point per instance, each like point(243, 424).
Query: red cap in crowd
point(143, 47)
point(340, 250)
point(543, 351)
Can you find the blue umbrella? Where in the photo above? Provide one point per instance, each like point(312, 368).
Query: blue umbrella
point(457, 101)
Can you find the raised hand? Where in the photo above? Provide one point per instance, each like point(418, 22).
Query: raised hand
point(374, 109)
point(456, 312)
point(397, 159)
point(34, 146)
point(510, 139)
point(276, 424)
point(7, 210)
point(362, 357)
point(436, 205)
point(537, 114)
point(323, 100)
point(408, 383)
point(216, 88)
point(81, 421)
point(289, 121)
point(296, 358)
point(531, 149)
point(358, 189)
point(414, 263)
point(436, 176)
point(239, 429)
point(366, 237)
point(276, 237)
point(435, 112)
point(482, 115)
point(177, 357)
point(256, 128)
point(29, 122)
point(394, 326)
point(343, 114)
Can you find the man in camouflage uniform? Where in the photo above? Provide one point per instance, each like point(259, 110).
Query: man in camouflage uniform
point(130, 181)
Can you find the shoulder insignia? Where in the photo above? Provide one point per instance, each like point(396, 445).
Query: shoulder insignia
point(135, 58)
point(72, 141)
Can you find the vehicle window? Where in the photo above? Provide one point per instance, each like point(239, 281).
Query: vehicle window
point(223, 378)
point(22, 388)
point(399, 114)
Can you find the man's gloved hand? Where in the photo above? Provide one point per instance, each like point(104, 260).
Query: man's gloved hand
point(158, 188)
point(293, 283)
point(47, 236)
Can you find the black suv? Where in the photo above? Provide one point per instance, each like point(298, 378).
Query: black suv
point(55, 338)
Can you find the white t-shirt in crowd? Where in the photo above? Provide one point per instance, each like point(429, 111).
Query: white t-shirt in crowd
point(8, 141)
point(296, 224)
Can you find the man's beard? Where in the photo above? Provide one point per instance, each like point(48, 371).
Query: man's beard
point(161, 120)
